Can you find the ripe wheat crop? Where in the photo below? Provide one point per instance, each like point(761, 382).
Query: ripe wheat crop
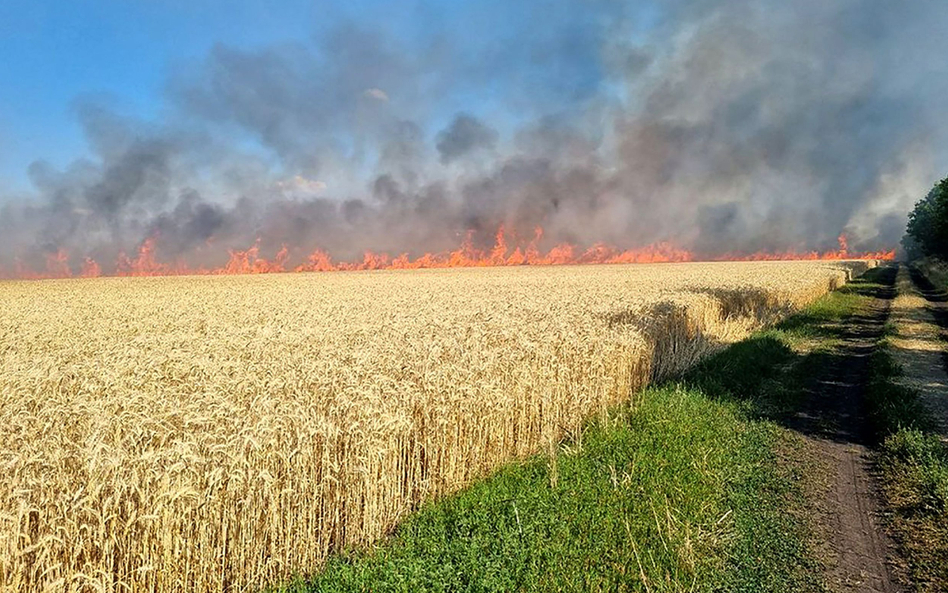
point(219, 434)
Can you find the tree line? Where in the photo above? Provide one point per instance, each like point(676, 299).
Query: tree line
point(927, 231)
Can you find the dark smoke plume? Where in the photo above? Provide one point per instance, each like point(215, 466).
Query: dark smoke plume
point(465, 134)
point(721, 126)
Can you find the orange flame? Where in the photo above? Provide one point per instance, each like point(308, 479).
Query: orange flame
point(250, 262)
point(842, 253)
point(467, 254)
point(144, 264)
point(57, 265)
point(90, 269)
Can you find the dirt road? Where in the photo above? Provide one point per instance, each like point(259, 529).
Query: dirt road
point(920, 318)
point(859, 555)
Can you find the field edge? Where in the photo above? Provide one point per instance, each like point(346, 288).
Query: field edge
point(721, 504)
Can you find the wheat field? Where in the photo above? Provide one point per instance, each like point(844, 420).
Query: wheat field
point(223, 433)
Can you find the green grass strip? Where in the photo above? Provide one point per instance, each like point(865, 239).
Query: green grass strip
point(913, 460)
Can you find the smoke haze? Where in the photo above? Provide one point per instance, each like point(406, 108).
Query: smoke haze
point(719, 126)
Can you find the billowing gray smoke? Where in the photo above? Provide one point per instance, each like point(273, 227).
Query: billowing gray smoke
point(721, 126)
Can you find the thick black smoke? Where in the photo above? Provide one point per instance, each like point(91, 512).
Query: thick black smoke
point(721, 126)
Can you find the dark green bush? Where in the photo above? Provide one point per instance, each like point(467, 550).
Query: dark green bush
point(927, 232)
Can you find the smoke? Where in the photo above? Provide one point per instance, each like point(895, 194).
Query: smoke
point(465, 135)
point(721, 126)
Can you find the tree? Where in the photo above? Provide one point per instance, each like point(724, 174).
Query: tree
point(927, 232)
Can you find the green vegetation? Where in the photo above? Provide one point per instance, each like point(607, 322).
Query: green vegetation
point(934, 270)
point(927, 232)
point(913, 458)
point(644, 503)
point(688, 488)
point(914, 465)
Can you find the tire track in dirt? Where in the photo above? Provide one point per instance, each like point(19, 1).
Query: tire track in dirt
point(859, 554)
point(919, 345)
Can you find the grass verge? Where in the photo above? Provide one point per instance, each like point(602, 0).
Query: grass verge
point(913, 463)
point(681, 491)
point(935, 270)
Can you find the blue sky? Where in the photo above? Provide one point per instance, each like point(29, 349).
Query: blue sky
point(56, 52)
point(123, 53)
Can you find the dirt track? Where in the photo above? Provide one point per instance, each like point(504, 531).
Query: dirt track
point(859, 555)
point(920, 314)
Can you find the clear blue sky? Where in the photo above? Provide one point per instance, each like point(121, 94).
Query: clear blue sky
point(122, 51)
point(57, 51)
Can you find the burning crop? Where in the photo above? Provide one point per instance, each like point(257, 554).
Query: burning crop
point(504, 252)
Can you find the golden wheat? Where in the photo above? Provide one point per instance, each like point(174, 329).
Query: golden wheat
point(217, 434)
